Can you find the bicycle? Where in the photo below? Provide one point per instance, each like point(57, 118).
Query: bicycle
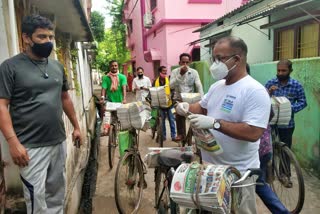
point(129, 179)
point(286, 168)
point(168, 160)
point(113, 131)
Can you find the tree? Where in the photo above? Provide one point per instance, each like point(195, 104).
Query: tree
point(113, 46)
point(97, 25)
point(111, 49)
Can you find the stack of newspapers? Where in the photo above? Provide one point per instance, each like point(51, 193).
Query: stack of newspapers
point(281, 107)
point(134, 115)
point(159, 97)
point(191, 97)
point(211, 191)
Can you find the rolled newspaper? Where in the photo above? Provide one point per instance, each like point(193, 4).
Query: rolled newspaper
point(210, 184)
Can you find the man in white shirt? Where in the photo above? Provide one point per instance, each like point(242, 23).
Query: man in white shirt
point(141, 85)
point(184, 80)
point(236, 110)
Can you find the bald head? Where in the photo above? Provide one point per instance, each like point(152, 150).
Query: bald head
point(236, 44)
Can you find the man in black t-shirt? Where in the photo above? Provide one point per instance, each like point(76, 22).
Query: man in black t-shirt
point(36, 89)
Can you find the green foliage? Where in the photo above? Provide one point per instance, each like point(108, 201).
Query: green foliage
point(97, 25)
point(113, 46)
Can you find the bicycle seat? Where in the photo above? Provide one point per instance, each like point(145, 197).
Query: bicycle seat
point(173, 158)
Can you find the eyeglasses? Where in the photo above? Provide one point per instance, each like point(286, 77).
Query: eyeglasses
point(219, 58)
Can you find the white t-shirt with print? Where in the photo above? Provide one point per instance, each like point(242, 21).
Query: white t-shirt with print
point(244, 101)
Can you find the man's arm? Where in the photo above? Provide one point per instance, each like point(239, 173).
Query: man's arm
point(301, 101)
point(241, 131)
point(271, 87)
point(103, 90)
point(134, 85)
point(198, 84)
point(124, 94)
point(68, 109)
point(197, 109)
point(124, 91)
point(17, 151)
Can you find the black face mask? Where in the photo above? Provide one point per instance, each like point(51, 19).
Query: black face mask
point(140, 76)
point(42, 49)
point(282, 77)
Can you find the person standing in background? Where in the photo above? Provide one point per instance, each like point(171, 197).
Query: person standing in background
point(163, 80)
point(130, 79)
point(141, 85)
point(184, 80)
point(114, 85)
point(284, 86)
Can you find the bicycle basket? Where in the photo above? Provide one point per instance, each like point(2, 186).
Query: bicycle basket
point(125, 141)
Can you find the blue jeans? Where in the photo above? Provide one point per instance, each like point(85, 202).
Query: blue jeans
point(265, 192)
point(164, 113)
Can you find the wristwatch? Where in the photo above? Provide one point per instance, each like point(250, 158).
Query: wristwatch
point(216, 124)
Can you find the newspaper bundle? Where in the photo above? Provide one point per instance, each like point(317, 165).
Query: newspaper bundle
point(214, 188)
point(282, 110)
point(159, 97)
point(191, 97)
point(151, 159)
point(206, 141)
point(134, 115)
point(110, 106)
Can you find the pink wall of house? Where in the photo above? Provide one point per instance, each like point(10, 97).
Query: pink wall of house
point(174, 21)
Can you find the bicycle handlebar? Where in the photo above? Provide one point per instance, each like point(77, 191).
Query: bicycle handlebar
point(250, 172)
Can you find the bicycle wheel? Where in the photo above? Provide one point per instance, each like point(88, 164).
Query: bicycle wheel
point(163, 202)
point(159, 139)
point(291, 194)
point(129, 183)
point(2, 187)
point(112, 144)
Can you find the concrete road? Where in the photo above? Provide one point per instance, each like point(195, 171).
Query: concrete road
point(104, 202)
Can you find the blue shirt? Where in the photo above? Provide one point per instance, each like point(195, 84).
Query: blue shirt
point(293, 90)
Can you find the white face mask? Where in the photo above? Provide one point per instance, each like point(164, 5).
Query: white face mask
point(219, 70)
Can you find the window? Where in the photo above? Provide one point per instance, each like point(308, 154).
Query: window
point(298, 41)
point(308, 41)
point(195, 54)
point(153, 4)
point(285, 49)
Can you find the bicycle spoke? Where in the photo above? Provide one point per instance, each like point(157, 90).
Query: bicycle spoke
point(129, 183)
point(288, 183)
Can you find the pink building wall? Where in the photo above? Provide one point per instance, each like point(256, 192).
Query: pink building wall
point(171, 32)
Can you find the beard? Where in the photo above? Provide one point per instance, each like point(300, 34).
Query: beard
point(283, 77)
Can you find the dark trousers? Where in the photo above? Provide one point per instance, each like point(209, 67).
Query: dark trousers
point(181, 125)
point(265, 192)
point(285, 135)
